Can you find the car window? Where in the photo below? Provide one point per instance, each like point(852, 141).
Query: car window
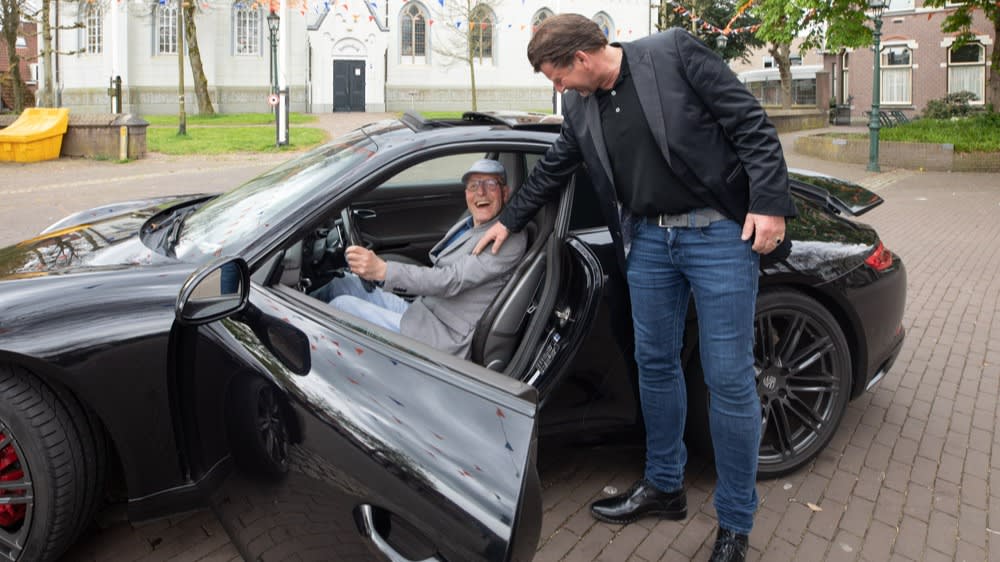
point(445, 170)
point(586, 211)
point(233, 219)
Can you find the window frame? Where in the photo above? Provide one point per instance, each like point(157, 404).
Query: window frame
point(93, 30)
point(412, 30)
point(886, 69)
point(482, 23)
point(253, 31)
point(981, 64)
point(170, 20)
point(540, 16)
point(601, 19)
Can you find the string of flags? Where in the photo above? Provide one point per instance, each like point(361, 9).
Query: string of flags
point(708, 26)
point(372, 7)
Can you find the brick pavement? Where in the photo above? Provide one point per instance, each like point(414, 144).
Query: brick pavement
point(908, 476)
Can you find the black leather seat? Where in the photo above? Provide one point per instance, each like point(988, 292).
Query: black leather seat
point(499, 331)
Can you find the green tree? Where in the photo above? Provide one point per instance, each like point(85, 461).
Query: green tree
point(820, 24)
point(706, 19)
point(960, 21)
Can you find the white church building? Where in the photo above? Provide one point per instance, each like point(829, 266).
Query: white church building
point(337, 55)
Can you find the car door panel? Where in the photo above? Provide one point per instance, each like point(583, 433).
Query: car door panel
point(411, 220)
point(434, 461)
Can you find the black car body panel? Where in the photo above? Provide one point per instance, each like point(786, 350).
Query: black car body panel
point(293, 420)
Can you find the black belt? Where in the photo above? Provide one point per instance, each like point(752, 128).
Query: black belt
point(698, 218)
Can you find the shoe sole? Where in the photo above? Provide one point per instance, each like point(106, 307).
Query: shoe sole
point(668, 515)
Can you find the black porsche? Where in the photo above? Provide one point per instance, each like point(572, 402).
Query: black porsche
point(166, 354)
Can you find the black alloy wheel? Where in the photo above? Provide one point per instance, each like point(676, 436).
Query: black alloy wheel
point(258, 426)
point(803, 379)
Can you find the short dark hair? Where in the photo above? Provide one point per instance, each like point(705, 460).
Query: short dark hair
point(559, 37)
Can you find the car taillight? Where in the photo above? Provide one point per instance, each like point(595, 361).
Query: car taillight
point(880, 258)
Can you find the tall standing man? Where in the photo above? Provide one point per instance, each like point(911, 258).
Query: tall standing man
point(694, 188)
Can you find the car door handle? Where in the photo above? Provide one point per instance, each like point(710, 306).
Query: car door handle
point(369, 530)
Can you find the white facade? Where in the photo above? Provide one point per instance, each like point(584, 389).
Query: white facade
point(364, 41)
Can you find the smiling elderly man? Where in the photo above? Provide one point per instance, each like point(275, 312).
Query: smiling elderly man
point(453, 293)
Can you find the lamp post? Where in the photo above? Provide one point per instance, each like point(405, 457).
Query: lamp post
point(272, 28)
point(876, 7)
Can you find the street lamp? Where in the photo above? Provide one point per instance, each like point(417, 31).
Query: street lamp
point(272, 28)
point(721, 41)
point(876, 7)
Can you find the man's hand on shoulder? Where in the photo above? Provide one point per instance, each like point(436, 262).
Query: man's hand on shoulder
point(496, 234)
point(365, 264)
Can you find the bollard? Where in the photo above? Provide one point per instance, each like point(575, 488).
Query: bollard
point(123, 143)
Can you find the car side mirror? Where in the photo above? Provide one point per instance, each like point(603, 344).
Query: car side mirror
point(215, 290)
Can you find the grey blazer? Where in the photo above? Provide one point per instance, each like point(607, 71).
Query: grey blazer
point(454, 293)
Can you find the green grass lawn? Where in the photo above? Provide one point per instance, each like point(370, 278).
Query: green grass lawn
point(221, 140)
point(221, 134)
point(973, 134)
point(228, 119)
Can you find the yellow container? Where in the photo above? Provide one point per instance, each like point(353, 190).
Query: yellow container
point(35, 136)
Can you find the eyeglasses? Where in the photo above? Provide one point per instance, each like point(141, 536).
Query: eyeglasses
point(490, 184)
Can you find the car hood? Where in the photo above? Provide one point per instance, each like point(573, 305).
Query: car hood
point(101, 238)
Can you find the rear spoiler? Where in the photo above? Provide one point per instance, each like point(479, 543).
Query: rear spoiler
point(839, 196)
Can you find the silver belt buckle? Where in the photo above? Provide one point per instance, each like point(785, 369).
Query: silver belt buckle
point(668, 221)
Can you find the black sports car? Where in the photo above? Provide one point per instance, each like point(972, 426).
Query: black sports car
point(166, 353)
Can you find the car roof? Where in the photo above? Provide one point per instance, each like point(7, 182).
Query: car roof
point(513, 120)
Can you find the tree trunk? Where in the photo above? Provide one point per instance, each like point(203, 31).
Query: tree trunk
point(46, 97)
point(472, 55)
point(783, 60)
point(993, 85)
point(10, 18)
point(194, 57)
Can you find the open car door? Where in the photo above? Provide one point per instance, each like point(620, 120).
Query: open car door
point(349, 445)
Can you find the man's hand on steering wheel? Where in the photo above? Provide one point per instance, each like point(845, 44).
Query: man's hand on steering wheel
point(365, 264)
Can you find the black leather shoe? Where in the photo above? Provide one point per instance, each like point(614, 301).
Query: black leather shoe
point(729, 547)
point(641, 500)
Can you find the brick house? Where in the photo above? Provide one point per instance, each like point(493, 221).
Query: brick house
point(27, 49)
point(918, 64)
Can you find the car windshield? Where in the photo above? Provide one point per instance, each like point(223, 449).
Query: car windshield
point(228, 223)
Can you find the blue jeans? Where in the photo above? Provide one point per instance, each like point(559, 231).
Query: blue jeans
point(665, 267)
point(379, 307)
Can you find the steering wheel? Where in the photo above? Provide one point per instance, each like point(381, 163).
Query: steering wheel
point(351, 236)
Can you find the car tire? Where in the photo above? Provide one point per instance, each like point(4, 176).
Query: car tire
point(51, 448)
point(258, 427)
point(797, 420)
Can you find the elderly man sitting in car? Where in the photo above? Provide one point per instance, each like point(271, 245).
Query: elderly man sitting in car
point(453, 293)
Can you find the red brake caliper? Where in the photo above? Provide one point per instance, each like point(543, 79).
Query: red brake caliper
point(10, 469)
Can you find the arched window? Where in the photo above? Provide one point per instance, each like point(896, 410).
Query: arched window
point(93, 24)
point(897, 75)
point(481, 33)
point(604, 22)
point(967, 70)
point(246, 29)
point(539, 17)
point(413, 34)
point(165, 25)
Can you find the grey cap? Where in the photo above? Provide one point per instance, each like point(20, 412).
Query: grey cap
point(487, 166)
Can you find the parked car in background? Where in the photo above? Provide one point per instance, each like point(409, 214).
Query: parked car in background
point(166, 353)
